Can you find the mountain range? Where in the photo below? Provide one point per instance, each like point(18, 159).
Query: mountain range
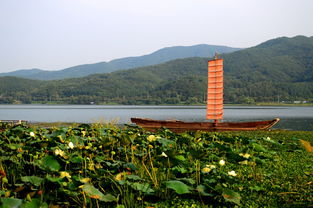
point(280, 69)
point(157, 57)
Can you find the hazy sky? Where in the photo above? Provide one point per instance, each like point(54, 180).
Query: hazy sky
point(55, 34)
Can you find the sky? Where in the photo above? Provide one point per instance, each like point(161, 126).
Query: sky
point(56, 34)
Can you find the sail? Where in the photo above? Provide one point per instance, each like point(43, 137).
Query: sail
point(215, 90)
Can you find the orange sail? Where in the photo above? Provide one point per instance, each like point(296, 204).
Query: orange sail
point(215, 90)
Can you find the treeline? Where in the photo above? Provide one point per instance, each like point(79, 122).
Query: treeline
point(277, 70)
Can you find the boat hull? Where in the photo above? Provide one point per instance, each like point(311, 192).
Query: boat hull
point(181, 126)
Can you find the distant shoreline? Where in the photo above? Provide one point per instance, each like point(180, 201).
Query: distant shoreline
point(179, 104)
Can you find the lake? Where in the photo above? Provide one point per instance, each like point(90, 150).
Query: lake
point(293, 118)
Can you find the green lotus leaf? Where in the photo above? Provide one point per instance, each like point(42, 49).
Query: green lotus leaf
point(178, 186)
point(10, 203)
point(202, 190)
point(180, 157)
point(134, 177)
point(36, 181)
point(53, 179)
point(188, 180)
point(76, 159)
point(51, 163)
point(231, 196)
point(143, 187)
point(94, 193)
point(165, 142)
point(35, 203)
point(13, 146)
point(258, 147)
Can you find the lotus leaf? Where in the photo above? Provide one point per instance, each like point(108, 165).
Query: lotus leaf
point(202, 190)
point(231, 196)
point(10, 203)
point(94, 193)
point(36, 181)
point(51, 163)
point(143, 187)
point(178, 186)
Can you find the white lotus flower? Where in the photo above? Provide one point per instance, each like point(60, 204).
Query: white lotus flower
point(221, 162)
point(163, 154)
point(232, 173)
point(32, 134)
point(71, 145)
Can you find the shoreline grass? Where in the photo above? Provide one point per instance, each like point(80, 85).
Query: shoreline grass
point(180, 104)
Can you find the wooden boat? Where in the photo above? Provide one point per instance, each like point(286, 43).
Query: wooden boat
point(215, 110)
point(181, 126)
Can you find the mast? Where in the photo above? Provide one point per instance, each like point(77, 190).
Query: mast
point(215, 90)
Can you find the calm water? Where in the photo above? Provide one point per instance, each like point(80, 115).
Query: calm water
point(294, 118)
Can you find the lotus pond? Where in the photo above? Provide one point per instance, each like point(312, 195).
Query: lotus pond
point(102, 165)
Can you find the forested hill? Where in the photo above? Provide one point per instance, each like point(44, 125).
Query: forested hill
point(279, 69)
point(160, 56)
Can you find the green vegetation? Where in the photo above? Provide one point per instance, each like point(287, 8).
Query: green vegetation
point(100, 165)
point(277, 70)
